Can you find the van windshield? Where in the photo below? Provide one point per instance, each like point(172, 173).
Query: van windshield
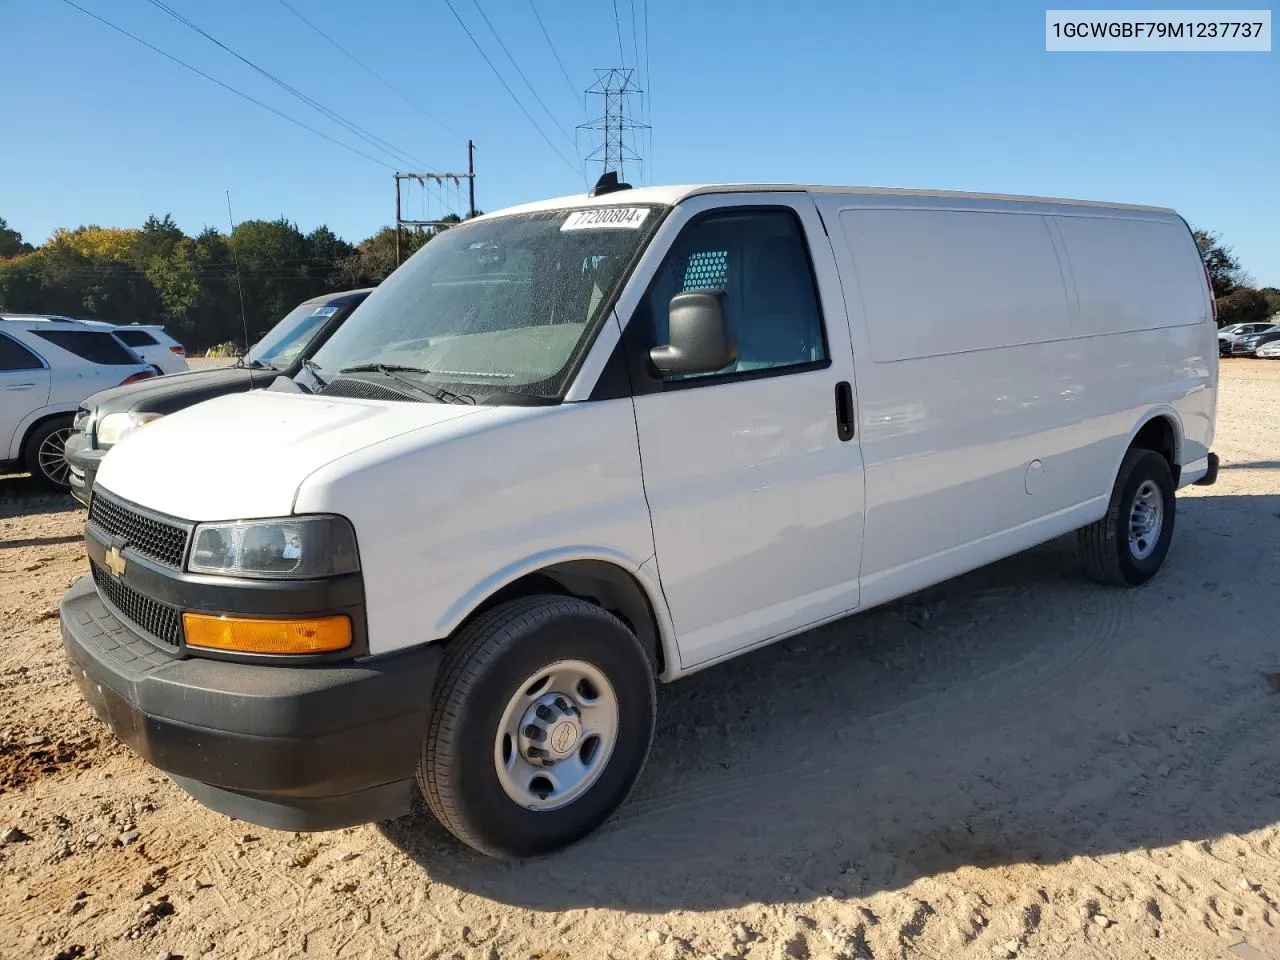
point(498, 306)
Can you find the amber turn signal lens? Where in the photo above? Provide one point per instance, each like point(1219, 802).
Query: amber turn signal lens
point(246, 635)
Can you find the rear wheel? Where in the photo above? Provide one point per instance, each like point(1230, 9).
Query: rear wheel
point(540, 724)
point(1128, 546)
point(45, 452)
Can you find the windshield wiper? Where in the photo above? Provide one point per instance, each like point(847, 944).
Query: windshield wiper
point(313, 368)
point(390, 371)
point(383, 368)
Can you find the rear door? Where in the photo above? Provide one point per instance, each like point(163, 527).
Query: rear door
point(754, 487)
point(24, 388)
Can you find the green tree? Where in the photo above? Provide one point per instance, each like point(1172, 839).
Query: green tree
point(1225, 272)
point(1272, 296)
point(11, 243)
point(1242, 305)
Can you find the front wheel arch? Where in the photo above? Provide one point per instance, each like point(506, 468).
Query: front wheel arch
point(607, 585)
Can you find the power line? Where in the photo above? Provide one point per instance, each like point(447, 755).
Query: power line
point(546, 36)
point(635, 47)
point(470, 36)
point(622, 57)
point(377, 76)
point(647, 102)
point(548, 112)
point(228, 87)
point(355, 128)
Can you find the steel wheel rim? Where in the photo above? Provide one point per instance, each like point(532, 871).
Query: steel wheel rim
point(1146, 520)
point(556, 735)
point(52, 456)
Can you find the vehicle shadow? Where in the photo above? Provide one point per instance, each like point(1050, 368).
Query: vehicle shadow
point(21, 496)
point(1019, 714)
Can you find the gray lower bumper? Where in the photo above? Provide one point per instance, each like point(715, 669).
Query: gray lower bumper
point(297, 748)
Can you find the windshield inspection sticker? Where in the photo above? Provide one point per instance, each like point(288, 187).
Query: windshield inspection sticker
point(606, 218)
point(324, 311)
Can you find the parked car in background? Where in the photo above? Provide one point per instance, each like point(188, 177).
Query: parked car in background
point(149, 341)
point(47, 366)
point(1228, 335)
point(578, 447)
point(107, 417)
point(155, 346)
point(1248, 344)
point(1269, 350)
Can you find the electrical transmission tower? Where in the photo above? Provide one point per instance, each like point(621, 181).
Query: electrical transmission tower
point(615, 87)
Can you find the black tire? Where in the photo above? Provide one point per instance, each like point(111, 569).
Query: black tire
point(1104, 545)
point(484, 667)
point(35, 452)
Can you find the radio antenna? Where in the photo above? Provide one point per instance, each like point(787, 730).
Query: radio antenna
point(235, 258)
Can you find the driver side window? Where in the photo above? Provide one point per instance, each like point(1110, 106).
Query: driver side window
point(758, 259)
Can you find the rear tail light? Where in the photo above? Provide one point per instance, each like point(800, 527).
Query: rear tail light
point(1213, 301)
point(178, 350)
point(135, 377)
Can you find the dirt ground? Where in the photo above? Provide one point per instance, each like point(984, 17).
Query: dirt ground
point(1019, 763)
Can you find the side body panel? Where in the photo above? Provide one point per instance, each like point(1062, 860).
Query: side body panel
point(1144, 345)
point(992, 416)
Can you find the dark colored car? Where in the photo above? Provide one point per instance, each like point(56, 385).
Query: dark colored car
point(109, 415)
point(1248, 345)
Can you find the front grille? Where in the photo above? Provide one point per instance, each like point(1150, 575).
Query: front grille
point(163, 542)
point(366, 390)
point(161, 621)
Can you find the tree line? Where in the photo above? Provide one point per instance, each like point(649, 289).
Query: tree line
point(1239, 301)
point(191, 285)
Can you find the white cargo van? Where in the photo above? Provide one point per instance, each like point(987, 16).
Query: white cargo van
point(576, 447)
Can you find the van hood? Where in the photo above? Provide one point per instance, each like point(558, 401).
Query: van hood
point(245, 455)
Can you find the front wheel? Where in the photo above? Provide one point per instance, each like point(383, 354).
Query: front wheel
point(540, 724)
point(1128, 545)
point(45, 454)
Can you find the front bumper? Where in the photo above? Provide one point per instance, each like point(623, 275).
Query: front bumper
point(291, 747)
point(84, 461)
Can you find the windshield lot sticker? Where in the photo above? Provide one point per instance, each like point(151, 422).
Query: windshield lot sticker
point(606, 218)
point(324, 311)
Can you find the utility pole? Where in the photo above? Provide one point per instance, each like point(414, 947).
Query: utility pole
point(471, 175)
point(441, 179)
point(615, 87)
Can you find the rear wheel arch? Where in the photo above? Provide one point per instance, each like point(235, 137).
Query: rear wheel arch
point(33, 433)
point(607, 585)
point(1162, 433)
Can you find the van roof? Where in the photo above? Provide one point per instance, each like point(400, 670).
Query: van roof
point(671, 195)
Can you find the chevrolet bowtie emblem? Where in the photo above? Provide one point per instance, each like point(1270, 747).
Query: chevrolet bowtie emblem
point(116, 562)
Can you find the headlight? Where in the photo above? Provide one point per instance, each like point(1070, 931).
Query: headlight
point(114, 427)
point(284, 549)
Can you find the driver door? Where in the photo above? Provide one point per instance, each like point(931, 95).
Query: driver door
point(753, 479)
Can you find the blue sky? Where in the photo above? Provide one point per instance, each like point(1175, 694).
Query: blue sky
point(99, 129)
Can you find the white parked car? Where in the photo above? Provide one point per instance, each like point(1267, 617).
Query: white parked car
point(47, 366)
point(154, 345)
point(149, 341)
point(578, 447)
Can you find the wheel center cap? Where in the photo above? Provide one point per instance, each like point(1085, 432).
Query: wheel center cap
point(564, 737)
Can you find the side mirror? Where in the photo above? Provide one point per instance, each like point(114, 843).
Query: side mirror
point(700, 338)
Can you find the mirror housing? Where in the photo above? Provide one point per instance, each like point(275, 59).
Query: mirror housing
point(699, 334)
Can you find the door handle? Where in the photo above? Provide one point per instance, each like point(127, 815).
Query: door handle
point(844, 410)
point(21, 386)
